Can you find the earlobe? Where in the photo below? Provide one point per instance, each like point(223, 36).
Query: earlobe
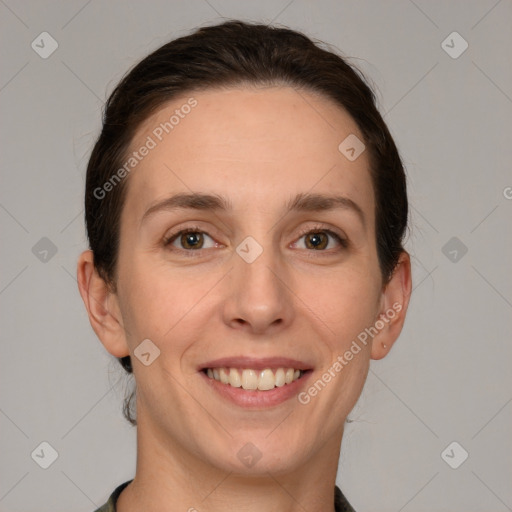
point(394, 304)
point(102, 306)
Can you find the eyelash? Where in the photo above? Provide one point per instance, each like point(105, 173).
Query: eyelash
point(196, 229)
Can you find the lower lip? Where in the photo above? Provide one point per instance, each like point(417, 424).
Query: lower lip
point(256, 398)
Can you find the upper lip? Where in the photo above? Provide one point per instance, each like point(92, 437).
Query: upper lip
point(256, 363)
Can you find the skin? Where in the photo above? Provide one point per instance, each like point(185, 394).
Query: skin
point(258, 147)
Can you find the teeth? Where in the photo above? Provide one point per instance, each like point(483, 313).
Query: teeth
point(249, 379)
point(224, 377)
point(267, 380)
point(234, 378)
point(253, 379)
point(280, 378)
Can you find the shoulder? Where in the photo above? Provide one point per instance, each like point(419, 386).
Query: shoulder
point(110, 505)
point(341, 503)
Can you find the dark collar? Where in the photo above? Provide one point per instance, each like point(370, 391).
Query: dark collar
point(340, 502)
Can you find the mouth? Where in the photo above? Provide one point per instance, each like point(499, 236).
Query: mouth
point(254, 380)
point(256, 383)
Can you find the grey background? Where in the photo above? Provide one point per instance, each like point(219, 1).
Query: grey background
point(447, 379)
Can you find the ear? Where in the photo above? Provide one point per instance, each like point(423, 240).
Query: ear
point(102, 306)
point(394, 302)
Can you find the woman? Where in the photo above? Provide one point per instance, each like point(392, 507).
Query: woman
point(245, 207)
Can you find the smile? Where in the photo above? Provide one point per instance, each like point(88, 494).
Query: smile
point(253, 380)
point(256, 383)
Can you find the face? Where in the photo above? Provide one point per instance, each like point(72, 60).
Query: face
point(266, 281)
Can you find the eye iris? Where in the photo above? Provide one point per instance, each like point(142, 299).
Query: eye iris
point(319, 240)
point(190, 240)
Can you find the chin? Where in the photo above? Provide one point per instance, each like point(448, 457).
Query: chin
point(259, 453)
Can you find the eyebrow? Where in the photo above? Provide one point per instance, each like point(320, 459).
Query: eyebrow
point(302, 202)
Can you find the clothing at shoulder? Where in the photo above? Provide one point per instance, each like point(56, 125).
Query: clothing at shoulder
point(110, 506)
point(340, 502)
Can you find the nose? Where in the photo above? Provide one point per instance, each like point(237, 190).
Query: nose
point(259, 298)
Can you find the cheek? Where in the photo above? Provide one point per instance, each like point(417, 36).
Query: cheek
point(162, 305)
point(345, 301)
point(347, 305)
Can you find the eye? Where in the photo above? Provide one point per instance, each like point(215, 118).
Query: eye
point(317, 239)
point(189, 239)
point(194, 239)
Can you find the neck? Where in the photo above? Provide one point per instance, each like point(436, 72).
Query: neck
point(168, 479)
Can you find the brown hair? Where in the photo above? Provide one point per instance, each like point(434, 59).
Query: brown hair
point(227, 55)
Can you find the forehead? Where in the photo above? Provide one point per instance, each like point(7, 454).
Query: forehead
point(257, 146)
